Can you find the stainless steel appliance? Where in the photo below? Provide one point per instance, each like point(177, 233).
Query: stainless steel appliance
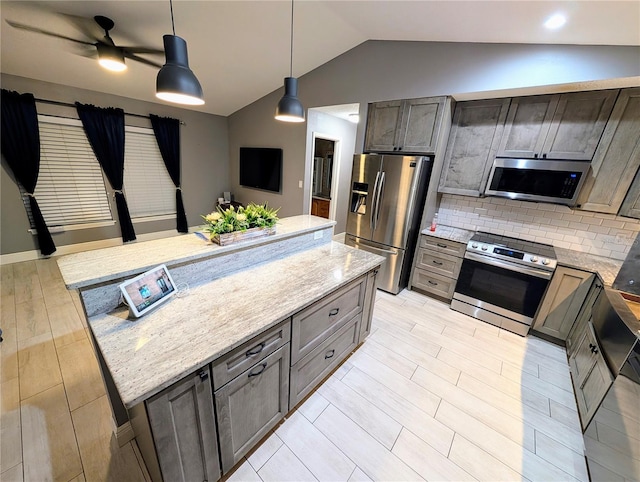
point(537, 180)
point(502, 280)
point(387, 197)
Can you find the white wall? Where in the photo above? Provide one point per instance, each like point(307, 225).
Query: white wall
point(601, 234)
point(335, 128)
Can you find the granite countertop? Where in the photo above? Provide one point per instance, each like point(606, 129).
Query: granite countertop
point(134, 258)
point(147, 355)
point(450, 233)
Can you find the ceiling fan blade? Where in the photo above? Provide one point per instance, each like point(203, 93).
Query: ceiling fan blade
point(86, 26)
point(131, 56)
point(143, 50)
point(45, 32)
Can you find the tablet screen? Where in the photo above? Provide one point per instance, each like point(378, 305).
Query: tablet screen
point(146, 291)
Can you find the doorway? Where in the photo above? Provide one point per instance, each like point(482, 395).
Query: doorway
point(323, 180)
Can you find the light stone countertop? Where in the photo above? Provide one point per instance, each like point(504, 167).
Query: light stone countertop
point(101, 265)
point(151, 353)
point(450, 233)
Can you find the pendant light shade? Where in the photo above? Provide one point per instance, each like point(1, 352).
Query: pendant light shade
point(176, 82)
point(110, 57)
point(290, 108)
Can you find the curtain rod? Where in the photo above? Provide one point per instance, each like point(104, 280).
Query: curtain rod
point(67, 104)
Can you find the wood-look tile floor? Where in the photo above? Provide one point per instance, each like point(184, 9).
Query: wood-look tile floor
point(431, 395)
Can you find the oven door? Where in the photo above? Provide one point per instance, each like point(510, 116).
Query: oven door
point(508, 289)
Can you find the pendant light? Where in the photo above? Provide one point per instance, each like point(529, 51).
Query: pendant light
point(290, 108)
point(176, 82)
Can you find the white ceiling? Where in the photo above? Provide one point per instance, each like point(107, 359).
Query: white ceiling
point(239, 50)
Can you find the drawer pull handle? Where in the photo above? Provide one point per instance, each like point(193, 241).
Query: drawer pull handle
point(436, 262)
point(263, 367)
point(334, 312)
point(432, 283)
point(329, 354)
point(441, 245)
point(594, 348)
point(255, 350)
point(203, 375)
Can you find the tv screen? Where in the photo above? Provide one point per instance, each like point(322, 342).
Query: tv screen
point(261, 168)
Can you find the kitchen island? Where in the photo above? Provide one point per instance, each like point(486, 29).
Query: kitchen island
point(274, 315)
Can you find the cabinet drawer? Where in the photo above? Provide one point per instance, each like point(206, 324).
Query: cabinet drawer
point(313, 325)
point(229, 366)
point(308, 372)
point(442, 245)
point(433, 283)
point(439, 263)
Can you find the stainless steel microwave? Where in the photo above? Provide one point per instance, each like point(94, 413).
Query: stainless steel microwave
point(541, 180)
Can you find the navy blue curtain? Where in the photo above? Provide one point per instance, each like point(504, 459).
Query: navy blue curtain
point(104, 128)
point(21, 149)
point(167, 132)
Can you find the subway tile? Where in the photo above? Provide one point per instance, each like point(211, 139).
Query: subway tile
point(555, 236)
point(562, 244)
point(620, 248)
point(560, 222)
point(592, 221)
point(553, 215)
point(524, 217)
point(498, 200)
point(563, 209)
point(566, 231)
point(572, 217)
point(588, 234)
point(586, 214)
point(604, 216)
point(618, 256)
point(632, 225)
point(579, 247)
point(572, 239)
point(539, 232)
point(612, 223)
point(546, 207)
point(599, 229)
point(600, 252)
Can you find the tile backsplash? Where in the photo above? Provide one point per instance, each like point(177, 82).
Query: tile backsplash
point(601, 234)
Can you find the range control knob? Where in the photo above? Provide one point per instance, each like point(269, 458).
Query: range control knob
point(484, 247)
point(533, 259)
point(545, 261)
point(474, 245)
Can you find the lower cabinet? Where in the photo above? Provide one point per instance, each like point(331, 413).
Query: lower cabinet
point(563, 301)
point(182, 422)
point(369, 302)
point(585, 315)
point(437, 266)
point(252, 404)
point(590, 374)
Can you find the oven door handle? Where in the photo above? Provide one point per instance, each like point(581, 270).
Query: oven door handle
point(538, 273)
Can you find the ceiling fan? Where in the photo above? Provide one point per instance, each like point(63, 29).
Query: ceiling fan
point(110, 55)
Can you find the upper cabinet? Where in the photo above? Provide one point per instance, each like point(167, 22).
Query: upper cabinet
point(631, 205)
point(408, 126)
point(565, 126)
point(616, 160)
point(472, 145)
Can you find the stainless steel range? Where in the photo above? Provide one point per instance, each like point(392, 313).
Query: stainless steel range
point(503, 280)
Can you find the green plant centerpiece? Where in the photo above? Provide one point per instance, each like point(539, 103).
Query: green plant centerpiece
point(233, 225)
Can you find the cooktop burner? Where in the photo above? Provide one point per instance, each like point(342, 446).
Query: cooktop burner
point(515, 250)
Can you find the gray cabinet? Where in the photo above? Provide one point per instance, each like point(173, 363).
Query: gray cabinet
point(563, 301)
point(616, 160)
point(437, 266)
point(252, 404)
point(584, 316)
point(184, 431)
point(590, 374)
point(472, 145)
point(369, 303)
point(565, 126)
point(631, 204)
point(409, 125)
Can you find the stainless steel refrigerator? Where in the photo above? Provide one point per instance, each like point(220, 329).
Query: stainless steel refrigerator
point(387, 198)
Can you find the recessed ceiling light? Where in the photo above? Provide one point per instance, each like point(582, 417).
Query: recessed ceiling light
point(555, 21)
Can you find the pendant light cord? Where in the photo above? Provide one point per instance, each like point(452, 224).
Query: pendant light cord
point(291, 56)
point(173, 27)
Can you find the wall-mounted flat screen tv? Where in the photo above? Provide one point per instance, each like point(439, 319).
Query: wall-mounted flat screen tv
point(261, 168)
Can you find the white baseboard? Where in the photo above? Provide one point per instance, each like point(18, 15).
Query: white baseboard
point(124, 433)
point(88, 246)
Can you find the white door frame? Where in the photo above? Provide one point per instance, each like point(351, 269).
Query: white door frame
point(335, 171)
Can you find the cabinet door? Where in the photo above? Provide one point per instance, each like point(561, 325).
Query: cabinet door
point(184, 430)
point(421, 119)
point(631, 205)
point(383, 121)
point(590, 374)
point(562, 302)
point(435, 262)
point(251, 405)
point(577, 125)
point(472, 145)
point(617, 157)
point(527, 125)
point(369, 303)
point(584, 316)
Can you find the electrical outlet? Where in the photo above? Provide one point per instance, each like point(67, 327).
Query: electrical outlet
point(317, 235)
point(300, 184)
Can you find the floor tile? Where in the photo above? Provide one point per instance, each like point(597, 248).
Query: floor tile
point(264, 452)
point(80, 373)
point(37, 365)
point(31, 319)
point(14, 474)
point(11, 432)
point(284, 466)
point(313, 406)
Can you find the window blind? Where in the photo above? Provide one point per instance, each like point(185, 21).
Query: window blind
point(147, 184)
point(70, 187)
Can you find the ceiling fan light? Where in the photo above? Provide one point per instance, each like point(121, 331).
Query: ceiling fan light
point(290, 108)
point(111, 58)
point(176, 82)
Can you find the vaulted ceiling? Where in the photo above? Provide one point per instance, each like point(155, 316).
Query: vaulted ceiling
point(239, 50)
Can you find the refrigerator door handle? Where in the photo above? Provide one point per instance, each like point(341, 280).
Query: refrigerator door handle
point(372, 224)
point(371, 246)
point(379, 195)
